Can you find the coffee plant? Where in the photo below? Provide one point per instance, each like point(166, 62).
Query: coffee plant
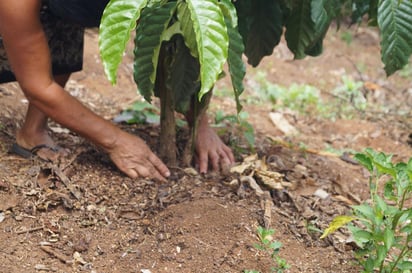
point(181, 46)
point(381, 227)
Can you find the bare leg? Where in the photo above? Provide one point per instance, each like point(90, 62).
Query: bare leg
point(210, 149)
point(35, 130)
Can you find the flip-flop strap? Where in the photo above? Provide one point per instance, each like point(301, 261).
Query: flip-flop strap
point(37, 148)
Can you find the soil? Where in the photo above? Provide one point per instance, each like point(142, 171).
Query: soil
point(83, 215)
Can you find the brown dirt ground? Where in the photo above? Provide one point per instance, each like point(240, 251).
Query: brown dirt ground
point(85, 216)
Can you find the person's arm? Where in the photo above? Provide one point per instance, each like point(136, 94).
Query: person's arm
point(28, 53)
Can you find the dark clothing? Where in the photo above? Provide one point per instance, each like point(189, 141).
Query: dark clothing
point(64, 22)
point(86, 13)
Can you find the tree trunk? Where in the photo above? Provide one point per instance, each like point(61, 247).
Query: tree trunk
point(167, 140)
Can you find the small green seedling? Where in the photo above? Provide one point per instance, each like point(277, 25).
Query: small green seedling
point(267, 245)
point(406, 71)
point(140, 112)
point(350, 92)
point(347, 37)
point(241, 127)
point(303, 98)
point(382, 227)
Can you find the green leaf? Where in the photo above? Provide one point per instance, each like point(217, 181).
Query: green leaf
point(361, 237)
point(380, 254)
point(118, 20)
point(365, 161)
point(369, 264)
point(381, 205)
point(249, 136)
point(336, 223)
point(186, 24)
point(385, 168)
point(389, 192)
point(229, 12)
point(316, 49)
point(395, 24)
point(260, 24)
point(300, 29)
point(183, 78)
point(404, 265)
point(388, 238)
point(402, 219)
point(307, 25)
point(152, 25)
point(237, 68)
point(212, 40)
point(276, 245)
point(321, 14)
point(359, 9)
point(373, 13)
point(143, 105)
point(365, 210)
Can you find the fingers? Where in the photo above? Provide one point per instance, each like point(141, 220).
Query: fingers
point(220, 160)
point(150, 173)
point(214, 160)
point(153, 168)
point(131, 173)
point(203, 162)
point(161, 168)
point(146, 165)
point(229, 154)
point(142, 171)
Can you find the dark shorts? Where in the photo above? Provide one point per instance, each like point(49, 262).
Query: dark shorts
point(65, 36)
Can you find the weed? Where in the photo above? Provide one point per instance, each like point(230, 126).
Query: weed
point(143, 112)
point(339, 152)
point(268, 245)
point(346, 101)
point(299, 97)
point(347, 37)
point(381, 228)
point(140, 112)
point(241, 127)
point(350, 92)
point(406, 71)
point(223, 92)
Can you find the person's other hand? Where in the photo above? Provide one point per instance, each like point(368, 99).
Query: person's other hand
point(210, 150)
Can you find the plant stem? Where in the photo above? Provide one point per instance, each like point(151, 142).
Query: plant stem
point(402, 200)
point(167, 149)
point(400, 256)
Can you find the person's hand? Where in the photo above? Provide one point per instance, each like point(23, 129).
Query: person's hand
point(210, 150)
point(133, 157)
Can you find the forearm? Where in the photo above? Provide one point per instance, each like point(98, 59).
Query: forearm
point(72, 114)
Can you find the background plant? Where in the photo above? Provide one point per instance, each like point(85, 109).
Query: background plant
point(242, 131)
point(349, 97)
point(381, 227)
point(268, 246)
point(139, 112)
point(182, 45)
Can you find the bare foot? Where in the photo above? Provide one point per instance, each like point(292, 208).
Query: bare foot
point(211, 150)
